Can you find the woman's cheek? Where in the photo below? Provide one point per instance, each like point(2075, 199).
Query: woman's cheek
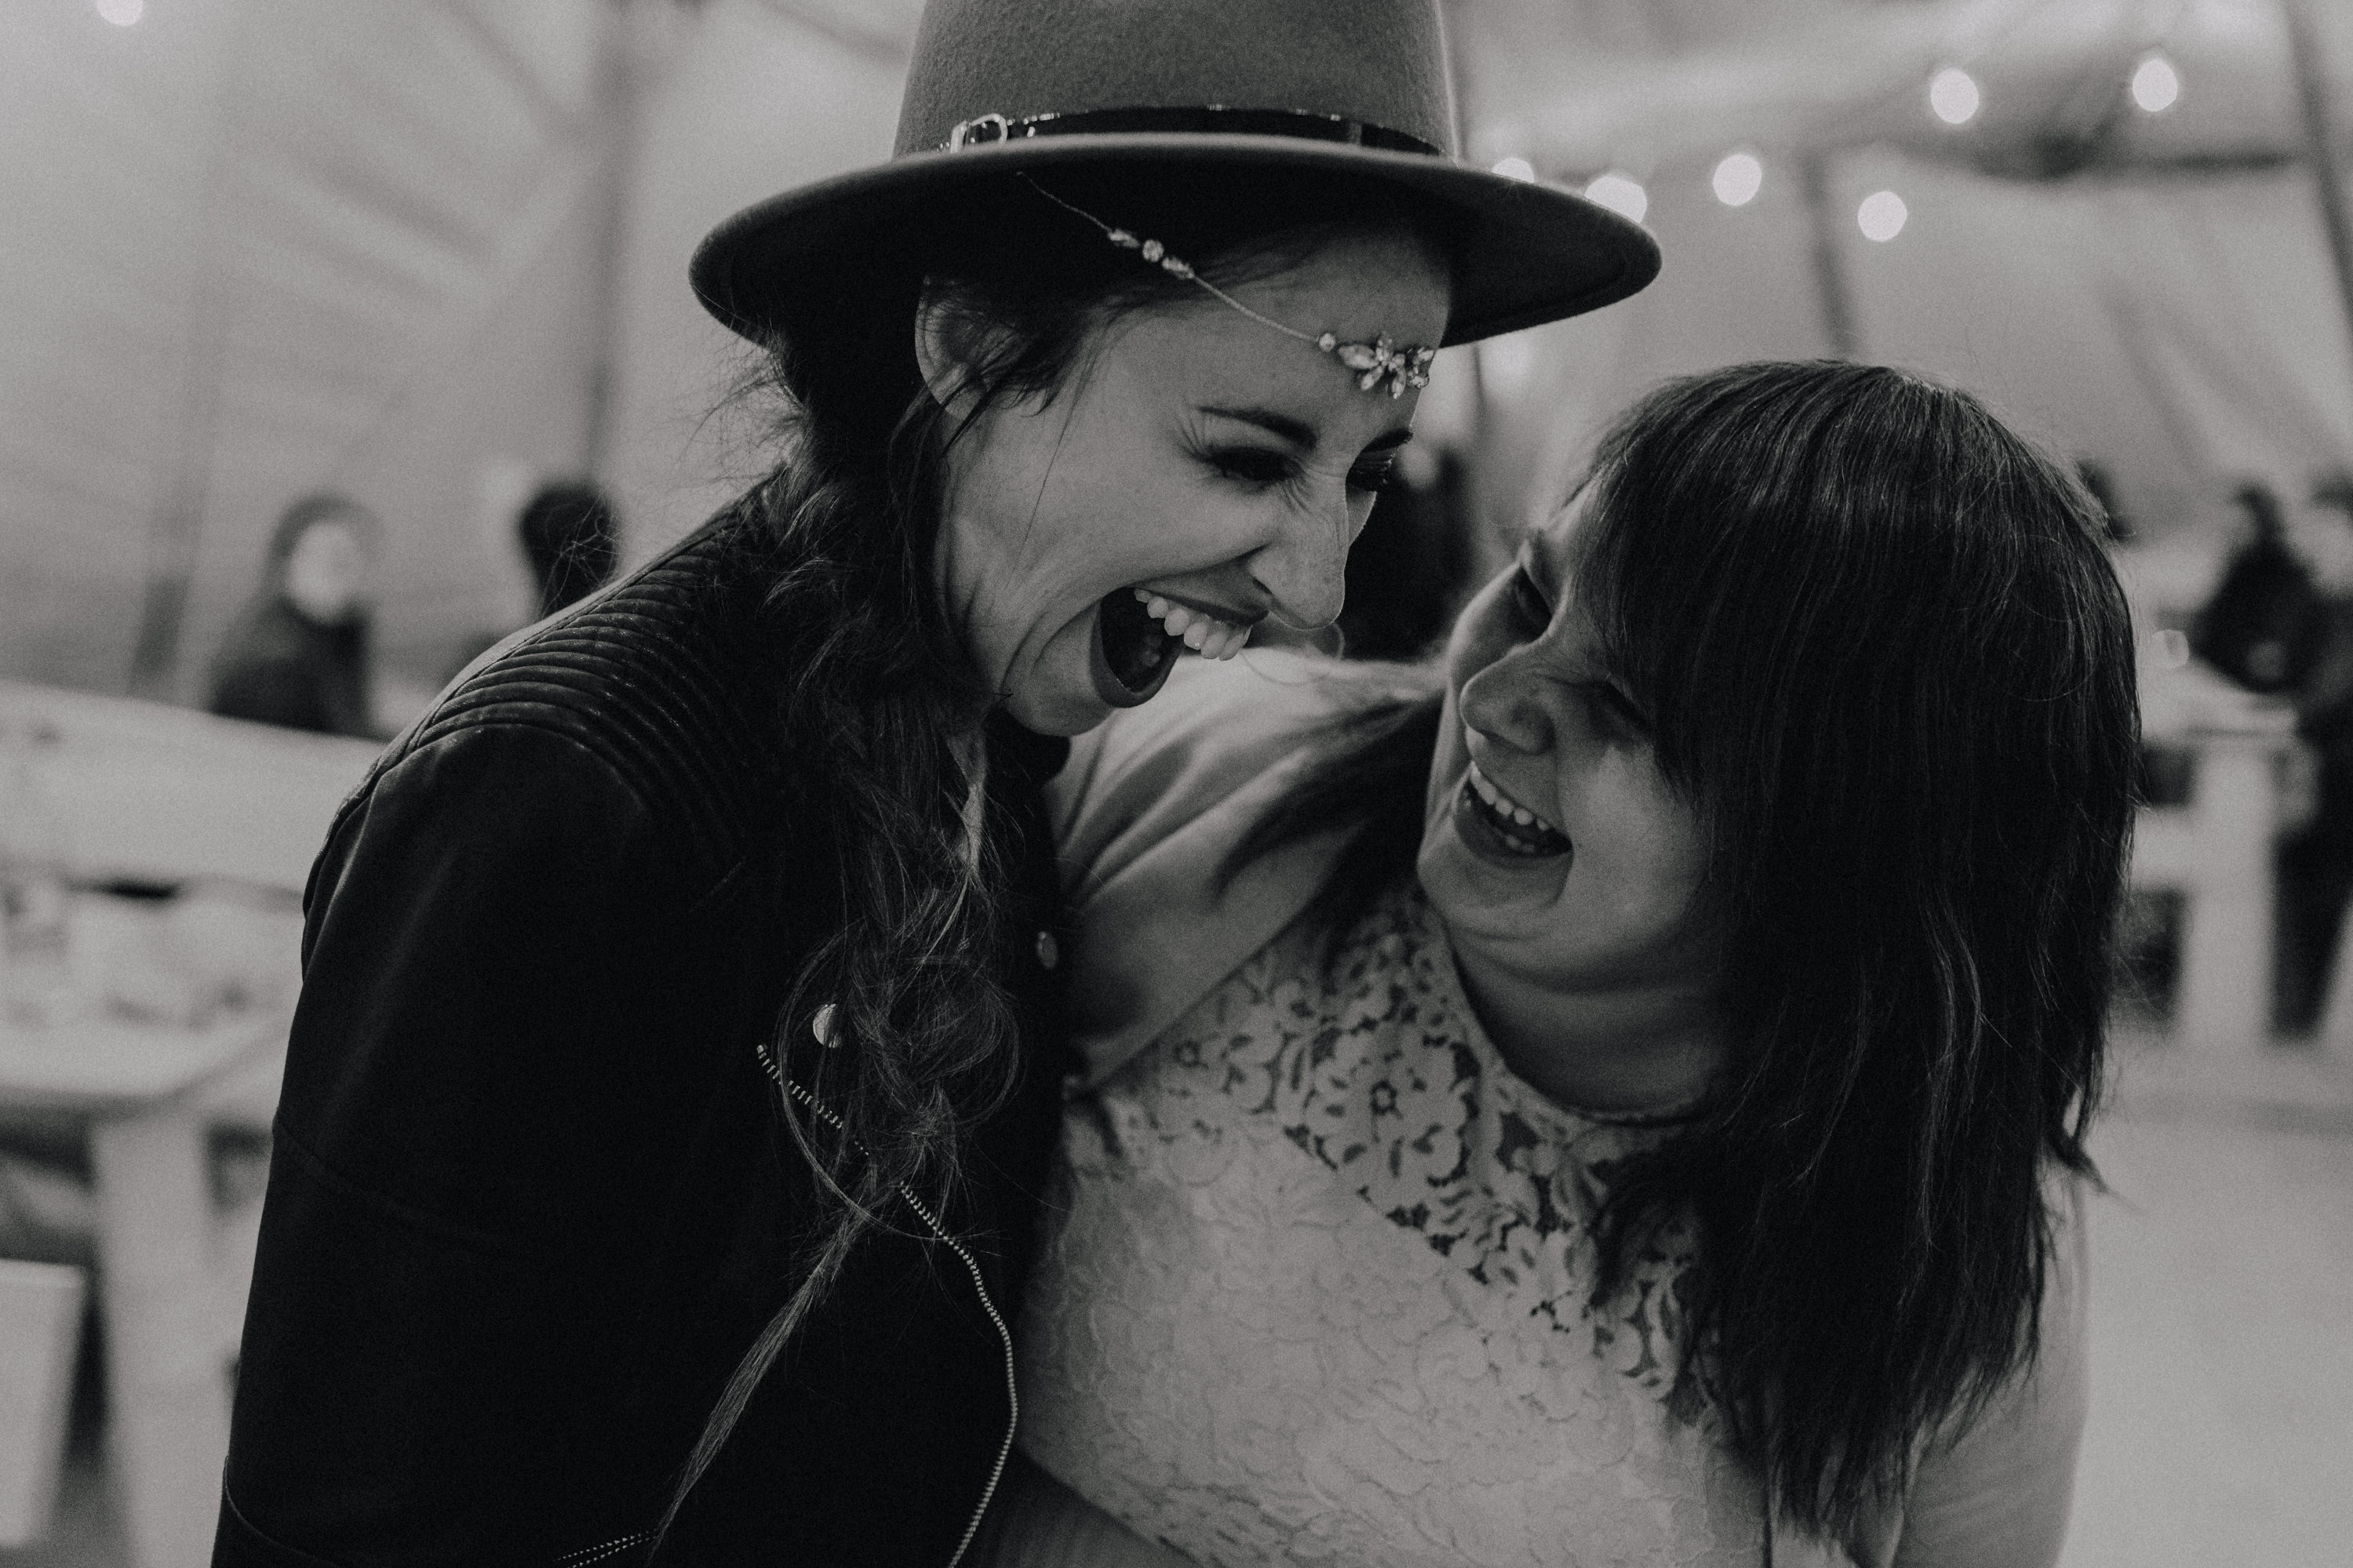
point(1481, 639)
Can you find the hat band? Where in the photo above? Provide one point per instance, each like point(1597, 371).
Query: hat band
point(1209, 120)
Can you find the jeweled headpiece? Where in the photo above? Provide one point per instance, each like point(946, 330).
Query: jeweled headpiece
point(1380, 364)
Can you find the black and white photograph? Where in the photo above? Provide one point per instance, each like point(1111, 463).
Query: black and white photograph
point(1175, 783)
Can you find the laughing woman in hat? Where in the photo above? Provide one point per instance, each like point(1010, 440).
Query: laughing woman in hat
point(679, 1052)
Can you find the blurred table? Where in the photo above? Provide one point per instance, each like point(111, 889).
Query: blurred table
point(2216, 850)
point(231, 814)
point(172, 1272)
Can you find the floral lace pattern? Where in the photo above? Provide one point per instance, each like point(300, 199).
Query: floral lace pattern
point(1317, 1293)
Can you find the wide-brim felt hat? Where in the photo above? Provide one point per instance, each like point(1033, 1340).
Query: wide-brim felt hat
point(1282, 88)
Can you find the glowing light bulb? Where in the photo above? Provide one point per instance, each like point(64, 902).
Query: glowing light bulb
point(2155, 84)
point(1621, 193)
point(1881, 217)
point(1737, 179)
point(122, 13)
point(1515, 168)
point(1953, 94)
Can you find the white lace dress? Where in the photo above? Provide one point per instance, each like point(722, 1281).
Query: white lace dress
point(1317, 1293)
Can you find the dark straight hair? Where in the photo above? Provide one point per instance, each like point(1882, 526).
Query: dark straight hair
point(1889, 667)
point(844, 528)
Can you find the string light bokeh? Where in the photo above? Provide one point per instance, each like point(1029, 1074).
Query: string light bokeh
point(1953, 96)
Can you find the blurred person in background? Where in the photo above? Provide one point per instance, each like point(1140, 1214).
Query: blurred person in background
point(2263, 623)
point(2315, 861)
point(573, 539)
point(680, 1045)
point(570, 537)
point(1622, 1096)
point(298, 657)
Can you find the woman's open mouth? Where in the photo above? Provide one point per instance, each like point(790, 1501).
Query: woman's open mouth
point(1495, 822)
point(1138, 636)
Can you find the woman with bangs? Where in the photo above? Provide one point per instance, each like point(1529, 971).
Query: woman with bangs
point(1618, 1096)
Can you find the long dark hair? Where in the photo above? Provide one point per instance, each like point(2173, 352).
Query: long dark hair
point(846, 525)
point(1889, 668)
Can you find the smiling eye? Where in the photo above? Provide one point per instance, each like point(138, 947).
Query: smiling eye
point(1613, 711)
point(1375, 474)
point(1527, 601)
point(1254, 464)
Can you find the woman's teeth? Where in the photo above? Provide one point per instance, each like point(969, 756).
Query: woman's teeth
point(1203, 633)
point(1534, 831)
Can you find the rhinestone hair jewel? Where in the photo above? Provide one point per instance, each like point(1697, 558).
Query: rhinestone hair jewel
point(1381, 364)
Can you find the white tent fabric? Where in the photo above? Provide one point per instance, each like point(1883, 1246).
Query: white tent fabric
point(257, 248)
point(2169, 312)
point(260, 248)
point(423, 253)
point(764, 95)
point(1579, 86)
point(2184, 335)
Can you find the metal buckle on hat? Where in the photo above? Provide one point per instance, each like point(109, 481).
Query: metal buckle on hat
point(966, 133)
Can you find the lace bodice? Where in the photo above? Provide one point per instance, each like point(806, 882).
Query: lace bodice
point(1318, 1290)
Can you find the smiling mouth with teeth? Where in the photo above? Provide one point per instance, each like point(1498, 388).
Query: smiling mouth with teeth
point(1513, 825)
point(1139, 635)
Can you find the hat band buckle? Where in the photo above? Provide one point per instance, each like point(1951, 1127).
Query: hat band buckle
point(967, 132)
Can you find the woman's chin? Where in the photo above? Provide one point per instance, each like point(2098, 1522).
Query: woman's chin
point(1474, 884)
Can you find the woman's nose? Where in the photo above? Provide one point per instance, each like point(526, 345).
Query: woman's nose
point(1501, 704)
point(1305, 569)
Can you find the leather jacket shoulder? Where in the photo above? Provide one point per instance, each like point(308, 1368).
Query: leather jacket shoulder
point(531, 1199)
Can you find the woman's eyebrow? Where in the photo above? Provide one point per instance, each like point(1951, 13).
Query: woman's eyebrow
point(1298, 432)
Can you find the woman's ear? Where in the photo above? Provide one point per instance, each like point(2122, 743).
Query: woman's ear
point(944, 368)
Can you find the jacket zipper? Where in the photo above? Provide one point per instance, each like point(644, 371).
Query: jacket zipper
point(597, 1554)
point(587, 1555)
point(980, 1287)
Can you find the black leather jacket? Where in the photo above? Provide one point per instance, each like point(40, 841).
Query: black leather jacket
point(530, 1196)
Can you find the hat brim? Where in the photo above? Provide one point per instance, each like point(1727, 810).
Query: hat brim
point(1527, 253)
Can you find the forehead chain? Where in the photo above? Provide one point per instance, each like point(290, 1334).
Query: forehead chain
point(1381, 364)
